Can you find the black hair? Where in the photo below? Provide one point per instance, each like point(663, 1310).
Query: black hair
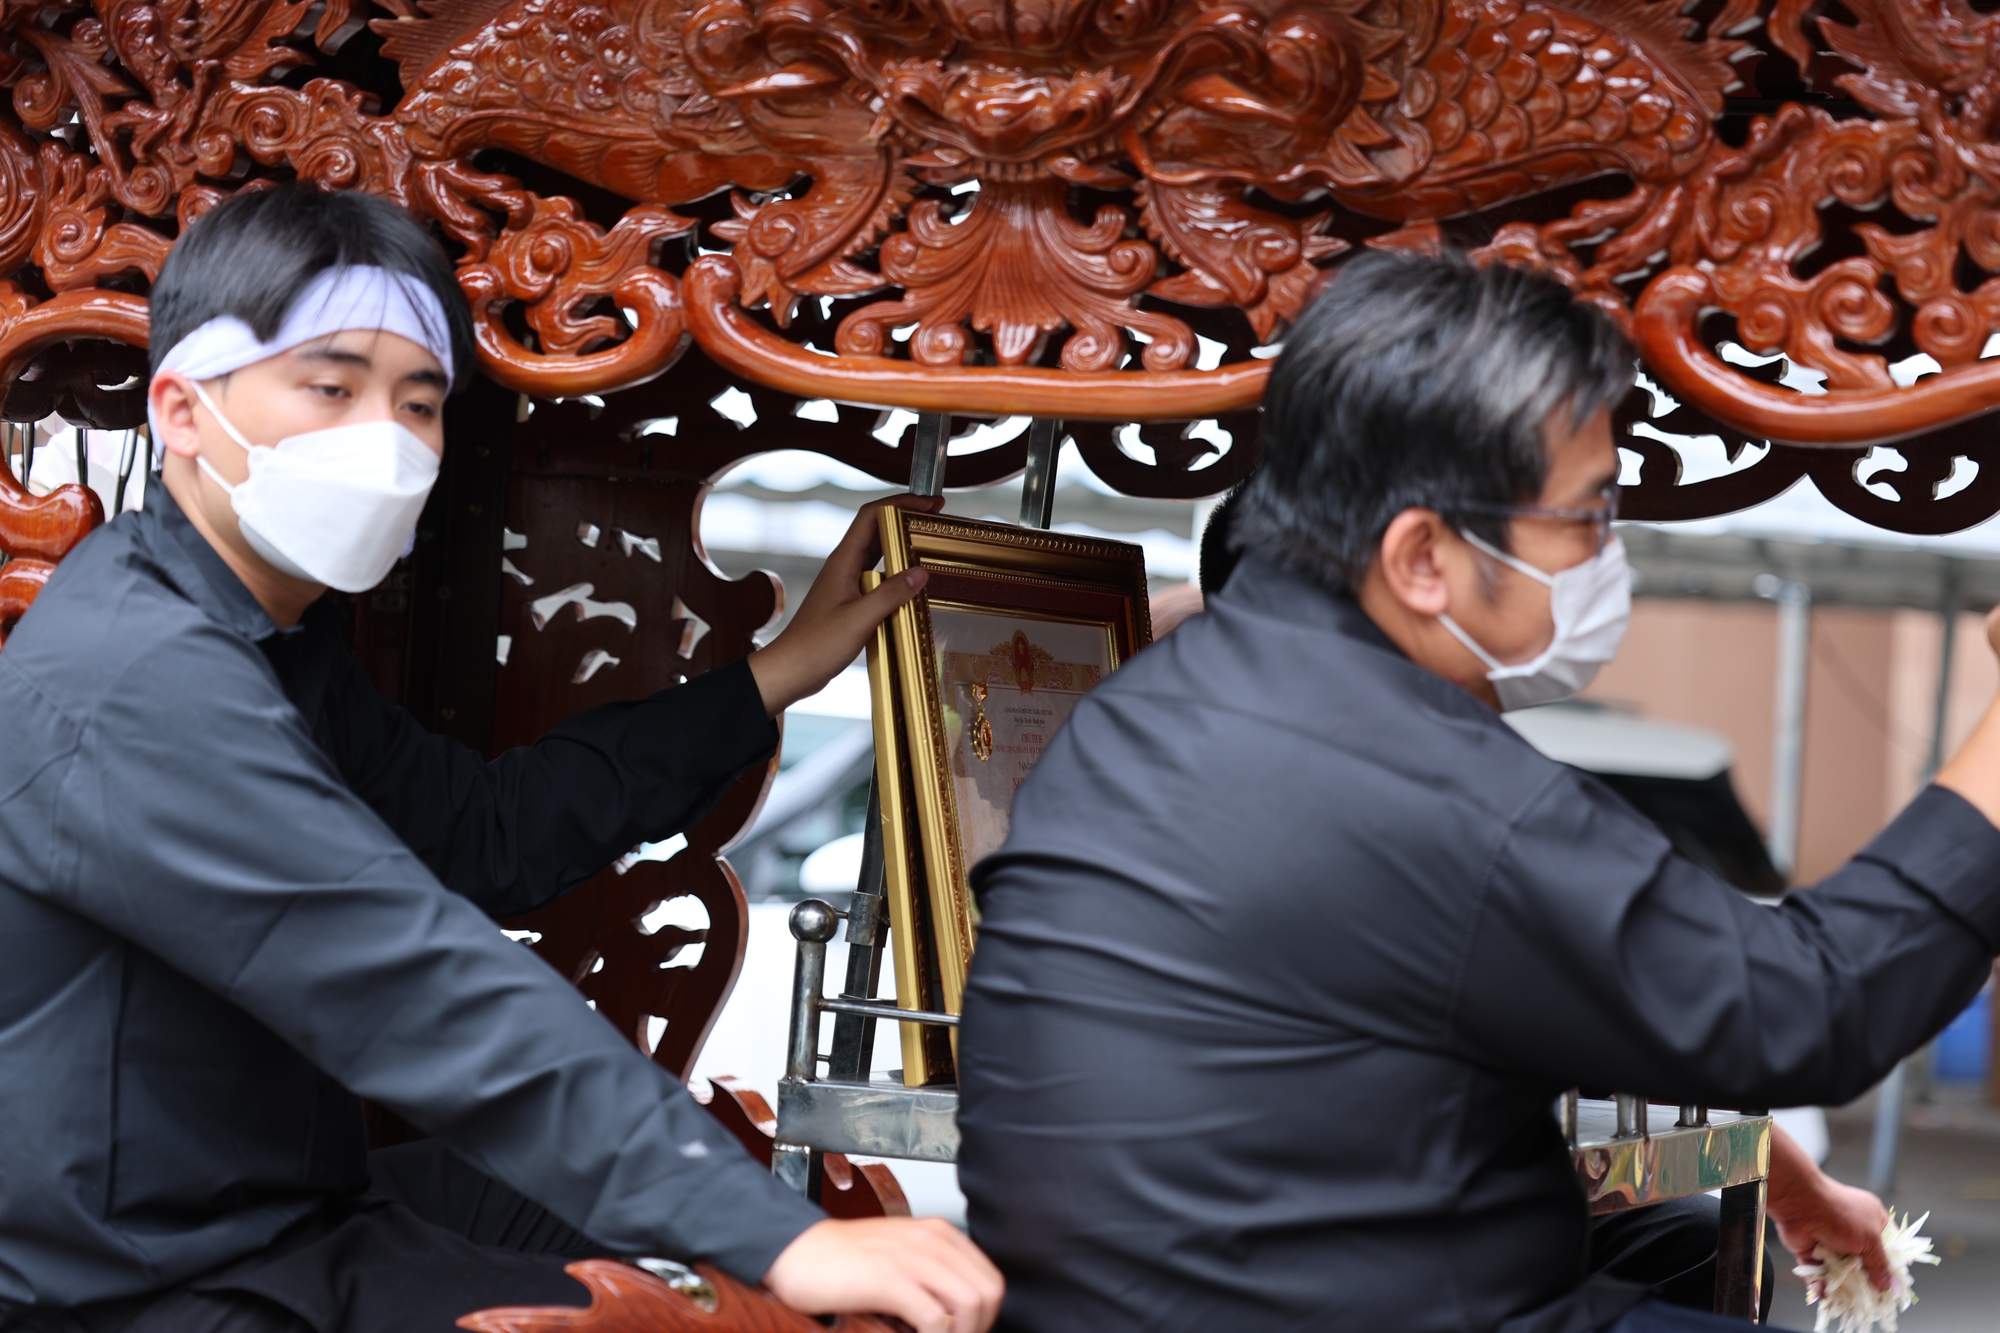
point(253, 254)
point(1418, 382)
point(1218, 555)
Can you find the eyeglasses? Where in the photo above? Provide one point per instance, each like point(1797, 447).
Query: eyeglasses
point(1600, 518)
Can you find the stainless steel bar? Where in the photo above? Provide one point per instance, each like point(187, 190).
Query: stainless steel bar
point(882, 1009)
point(1788, 741)
point(128, 458)
point(1692, 1117)
point(928, 453)
point(1631, 1115)
point(871, 1119)
point(1671, 1163)
point(1567, 1117)
point(813, 924)
point(1739, 1255)
point(865, 922)
point(1038, 483)
point(797, 1166)
point(853, 1035)
point(1951, 598)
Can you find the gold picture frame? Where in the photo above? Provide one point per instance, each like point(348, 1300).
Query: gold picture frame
point(970, 681)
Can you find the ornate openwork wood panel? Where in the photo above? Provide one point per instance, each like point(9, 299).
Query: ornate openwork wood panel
point(1039, 206)
point(34, 535)
point(1102, 210)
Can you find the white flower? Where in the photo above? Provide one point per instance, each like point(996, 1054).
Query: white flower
point(1839, 1284)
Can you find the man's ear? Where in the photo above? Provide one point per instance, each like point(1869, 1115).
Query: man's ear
point(1411, 564)
point(171, 400)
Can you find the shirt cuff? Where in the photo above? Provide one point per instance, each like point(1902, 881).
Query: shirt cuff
point(742, 733)
point(1946, 848)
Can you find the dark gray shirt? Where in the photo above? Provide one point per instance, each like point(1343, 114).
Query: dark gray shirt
point(240, 891)
point(1292, 948)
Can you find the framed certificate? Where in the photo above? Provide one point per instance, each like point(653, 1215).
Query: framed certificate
point(972, 680)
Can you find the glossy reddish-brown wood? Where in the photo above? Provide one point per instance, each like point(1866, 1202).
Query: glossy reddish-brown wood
point(45, 526)
point(1140, 164)
point(624, 1299)
point(35, 532)
point(594, 936)
point(868, 1189)
point(20, 581)
point(740, 343)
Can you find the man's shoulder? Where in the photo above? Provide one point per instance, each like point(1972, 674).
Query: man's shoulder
point(1237, 679)
point(110, 619)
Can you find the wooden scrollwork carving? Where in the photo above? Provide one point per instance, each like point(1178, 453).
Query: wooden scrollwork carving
point(35, 533)
point(1014, 207)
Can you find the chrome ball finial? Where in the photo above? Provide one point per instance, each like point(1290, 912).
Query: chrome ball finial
point(814, 921)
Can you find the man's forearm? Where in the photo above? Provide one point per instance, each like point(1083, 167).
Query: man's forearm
point(513, 833)
point(1793, 1173)
point(1810, 1208)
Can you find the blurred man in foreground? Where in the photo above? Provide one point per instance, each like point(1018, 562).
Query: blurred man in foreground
point(1295, 943)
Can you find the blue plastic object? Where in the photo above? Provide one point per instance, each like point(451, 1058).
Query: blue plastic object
point(1962, 1046)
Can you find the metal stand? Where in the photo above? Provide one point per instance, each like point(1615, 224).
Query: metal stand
point(847, 1112)
point(1623, 1160)
point(1739, 1254)
point(928, 454)
point(1789, 729)
point(853, 1035)
point(1038, 483)
point(128, 458)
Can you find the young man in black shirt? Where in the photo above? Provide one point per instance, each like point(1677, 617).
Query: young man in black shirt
point(239, 891)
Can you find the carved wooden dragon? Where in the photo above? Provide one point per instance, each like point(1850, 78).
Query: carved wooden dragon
point(1133, 160)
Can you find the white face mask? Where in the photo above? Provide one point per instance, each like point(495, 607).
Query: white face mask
point(331, 506)
point(1591, 603)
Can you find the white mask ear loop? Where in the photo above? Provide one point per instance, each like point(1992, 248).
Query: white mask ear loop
point(1492, 663)
point(1547, 580)
point(201, 460)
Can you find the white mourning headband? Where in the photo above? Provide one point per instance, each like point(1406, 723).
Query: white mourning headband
point(351, 297)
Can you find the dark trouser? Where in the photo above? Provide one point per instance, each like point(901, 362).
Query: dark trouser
point(1669, 1247)
point(1656, 1316)
point(432, 1239)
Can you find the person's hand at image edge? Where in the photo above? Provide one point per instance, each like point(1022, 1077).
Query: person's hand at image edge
point(923, 1271)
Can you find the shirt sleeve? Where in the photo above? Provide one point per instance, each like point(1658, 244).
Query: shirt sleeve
point(517, 831)
point(224, 842)
point(1603, 960)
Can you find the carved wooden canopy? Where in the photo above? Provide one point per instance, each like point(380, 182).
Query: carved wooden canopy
point(1093, 209)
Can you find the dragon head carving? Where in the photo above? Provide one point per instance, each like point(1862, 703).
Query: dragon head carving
point(1028, 205)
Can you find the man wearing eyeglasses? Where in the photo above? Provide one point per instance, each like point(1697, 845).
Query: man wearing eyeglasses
point(1294, 943)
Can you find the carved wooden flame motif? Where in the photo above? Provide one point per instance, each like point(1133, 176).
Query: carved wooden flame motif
point(1034, 206)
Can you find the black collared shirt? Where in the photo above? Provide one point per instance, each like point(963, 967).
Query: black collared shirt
point(240, 891)
point(1293, 947)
